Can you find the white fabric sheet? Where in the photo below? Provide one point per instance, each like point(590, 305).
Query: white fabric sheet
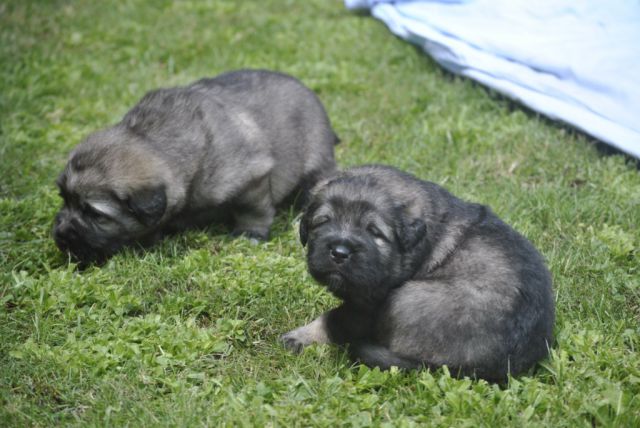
point(577, 61)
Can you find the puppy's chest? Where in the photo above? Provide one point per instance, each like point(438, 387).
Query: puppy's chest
point(211, 187)
point(201, 215)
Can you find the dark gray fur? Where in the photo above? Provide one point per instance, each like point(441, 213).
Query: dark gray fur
point(426, 279)
point(228, 148)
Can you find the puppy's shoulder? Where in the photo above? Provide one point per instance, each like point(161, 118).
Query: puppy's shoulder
point(163, 109)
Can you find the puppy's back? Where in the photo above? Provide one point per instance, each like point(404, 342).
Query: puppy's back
point(277, 111)
point(278, 101)
point(487, 302)
point(245, 121)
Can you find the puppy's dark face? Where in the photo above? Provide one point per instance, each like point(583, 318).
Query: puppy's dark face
point(100, 216)
point(360, 245)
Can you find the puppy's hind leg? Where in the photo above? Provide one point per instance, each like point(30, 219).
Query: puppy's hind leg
point(378, 356)
point(254, 211)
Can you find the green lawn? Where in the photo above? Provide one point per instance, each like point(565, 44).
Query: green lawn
point(186, 333)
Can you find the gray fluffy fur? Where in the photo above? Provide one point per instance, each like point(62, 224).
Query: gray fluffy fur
point(231, 148)
point(426, 279)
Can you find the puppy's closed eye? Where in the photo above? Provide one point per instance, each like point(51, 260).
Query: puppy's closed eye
point(319, 220)
point(374, 231)
point(90, 211)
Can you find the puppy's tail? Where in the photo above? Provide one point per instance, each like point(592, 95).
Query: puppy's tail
point(378, 356)
point(336, 139)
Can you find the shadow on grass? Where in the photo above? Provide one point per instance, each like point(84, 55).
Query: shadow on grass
point(177, 244)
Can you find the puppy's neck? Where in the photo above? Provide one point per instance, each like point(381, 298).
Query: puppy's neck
point(449, 235)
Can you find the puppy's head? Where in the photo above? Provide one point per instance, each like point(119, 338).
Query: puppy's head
point(112, 197)
point(362, 241)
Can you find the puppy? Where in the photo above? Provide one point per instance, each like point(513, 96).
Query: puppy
point(229, 148)
point(426, 279)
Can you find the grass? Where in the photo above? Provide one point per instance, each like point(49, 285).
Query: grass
point(186, 333)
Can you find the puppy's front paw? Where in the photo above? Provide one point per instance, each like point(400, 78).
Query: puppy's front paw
point(314, 332)
point(254, 236)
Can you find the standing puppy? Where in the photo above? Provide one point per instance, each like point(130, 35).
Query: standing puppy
point(228, 148)
point(426, 279)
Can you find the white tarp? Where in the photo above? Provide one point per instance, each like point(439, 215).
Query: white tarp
point(577, 61)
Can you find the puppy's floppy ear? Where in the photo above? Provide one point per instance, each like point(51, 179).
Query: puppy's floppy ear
point(304, 228)
point(61, 181)
point(312, 205)
point(410, 233)
point(148, 204)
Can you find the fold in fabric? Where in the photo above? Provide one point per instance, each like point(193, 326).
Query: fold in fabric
point(574, 61)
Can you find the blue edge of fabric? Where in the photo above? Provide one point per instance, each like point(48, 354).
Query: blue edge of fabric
point(575, 61)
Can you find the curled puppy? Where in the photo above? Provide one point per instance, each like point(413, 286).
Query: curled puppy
point(426, 279)
point(229, 148)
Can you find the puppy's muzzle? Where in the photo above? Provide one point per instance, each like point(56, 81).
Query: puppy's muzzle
point(341, 250)
point(65, 233)
point(71, 238)
point(340, 253)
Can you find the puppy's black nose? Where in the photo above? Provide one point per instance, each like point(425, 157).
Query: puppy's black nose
point(64, 233)
point(63, 229)
point(340, 253)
